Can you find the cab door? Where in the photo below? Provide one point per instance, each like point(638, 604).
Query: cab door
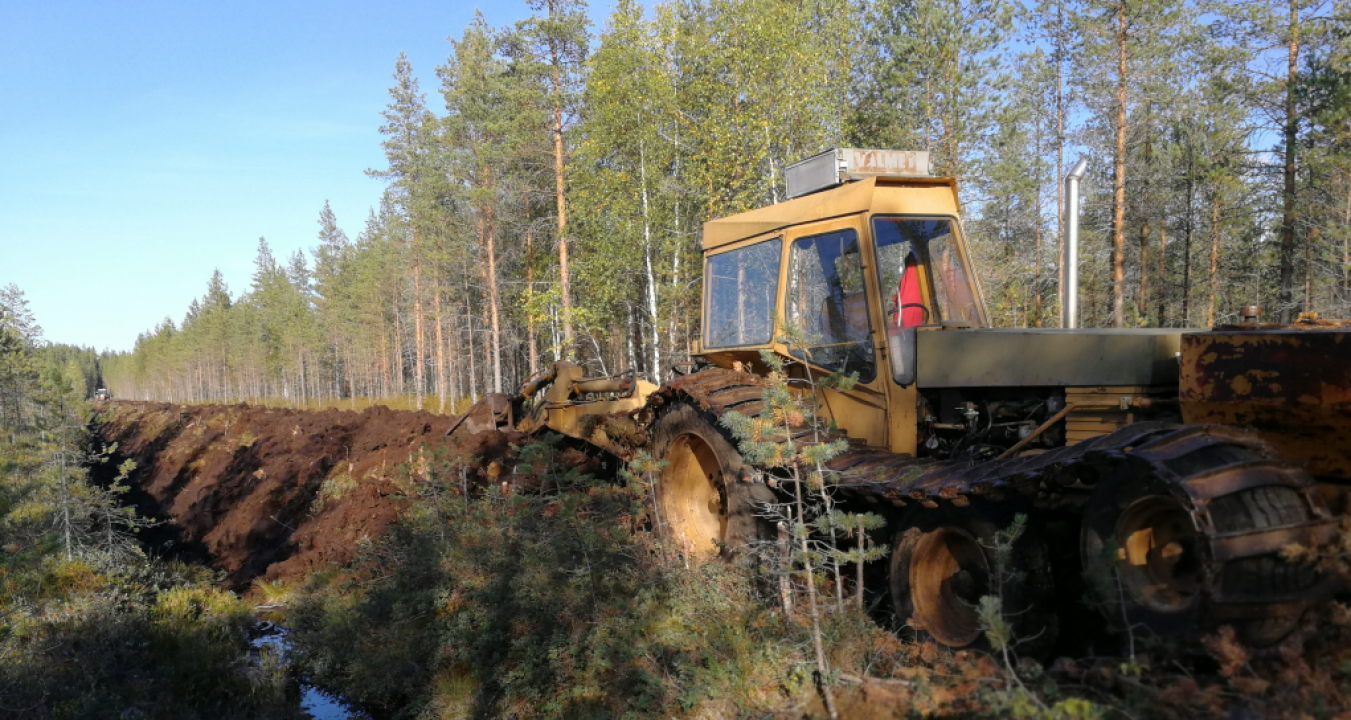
point(828, 312)
point(925, 285)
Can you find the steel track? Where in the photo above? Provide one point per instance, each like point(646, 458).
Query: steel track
point(1246, 501)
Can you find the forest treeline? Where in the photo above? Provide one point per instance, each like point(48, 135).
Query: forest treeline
point(545, 192)
point(93, 625)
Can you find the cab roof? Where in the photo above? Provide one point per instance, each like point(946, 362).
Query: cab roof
point(919, 196)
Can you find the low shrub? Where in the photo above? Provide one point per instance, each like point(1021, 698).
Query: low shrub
point(141, 641)
point(541, 605)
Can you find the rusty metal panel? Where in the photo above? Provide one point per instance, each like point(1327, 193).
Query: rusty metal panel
point(1292, 386)
point(1047, 358)
point(723, 398)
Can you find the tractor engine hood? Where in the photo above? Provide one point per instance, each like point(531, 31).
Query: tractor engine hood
point(1047, 358)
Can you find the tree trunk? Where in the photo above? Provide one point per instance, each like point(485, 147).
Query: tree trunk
point(632, 337)
point(1214, 254)
point(1036, 303)
point(1285, 294)
point(1060, 148)
point(1187, 243)
point(1163, 272)
point(1142, 305)
point(349, 373)
point(469, 333)
point(398, 349)
point(675, 310)
point(565, 286)
point(440, 355)
point(1119, 178)
point(862, 553)
point(1309, 243)
point(1036, 322)
point(489, 230)
point(419, 343)
point(651, 276)
point(809, 578)
point(487, 346)
point(454, 368)
point(384, 363)
point(532, 349)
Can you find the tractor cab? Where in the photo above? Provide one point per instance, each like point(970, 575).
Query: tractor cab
point(867, 252)
point(868, 268)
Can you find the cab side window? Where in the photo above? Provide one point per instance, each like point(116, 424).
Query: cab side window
point(828, 305)
point(742, 287)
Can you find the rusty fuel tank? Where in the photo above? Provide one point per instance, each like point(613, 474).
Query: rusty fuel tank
point(1289, 383)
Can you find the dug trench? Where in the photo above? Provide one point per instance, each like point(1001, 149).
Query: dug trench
point(275, 494)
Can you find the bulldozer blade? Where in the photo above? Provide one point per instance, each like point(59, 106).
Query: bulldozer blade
point(491, 412)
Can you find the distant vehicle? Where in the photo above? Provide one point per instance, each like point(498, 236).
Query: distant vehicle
point(102, 395)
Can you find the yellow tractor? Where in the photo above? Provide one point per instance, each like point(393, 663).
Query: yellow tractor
point(954, 427)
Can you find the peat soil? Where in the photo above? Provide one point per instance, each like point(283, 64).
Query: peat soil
point(276, 493)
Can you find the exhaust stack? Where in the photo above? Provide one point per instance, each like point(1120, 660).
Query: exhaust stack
point(1069, 274)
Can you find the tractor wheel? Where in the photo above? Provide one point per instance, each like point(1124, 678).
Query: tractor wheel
point(944, 562)
point(1177, 546)
point(706, 503)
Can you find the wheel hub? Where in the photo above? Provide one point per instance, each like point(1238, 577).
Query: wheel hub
point(948, 576)
point(1157, 555)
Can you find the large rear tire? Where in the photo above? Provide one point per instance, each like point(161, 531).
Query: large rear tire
point(707, 497)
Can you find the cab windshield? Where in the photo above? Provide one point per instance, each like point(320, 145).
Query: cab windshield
point(911, 297)
point(742, 286)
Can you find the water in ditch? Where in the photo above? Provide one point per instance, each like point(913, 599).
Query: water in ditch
point(270, 645)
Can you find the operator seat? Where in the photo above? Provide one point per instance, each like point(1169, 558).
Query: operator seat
point(839, 321)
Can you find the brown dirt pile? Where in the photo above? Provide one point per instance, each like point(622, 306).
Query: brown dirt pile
point(279, 493)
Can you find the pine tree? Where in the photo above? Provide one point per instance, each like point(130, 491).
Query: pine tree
point(939, 71)
point(554, 50)
point(1327, 86)
point(20, 335)
point(478, 129)
point(1273, 35)
point(1132, 38)
point(409, 129)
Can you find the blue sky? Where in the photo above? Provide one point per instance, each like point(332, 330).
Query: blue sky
point(144, 144)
